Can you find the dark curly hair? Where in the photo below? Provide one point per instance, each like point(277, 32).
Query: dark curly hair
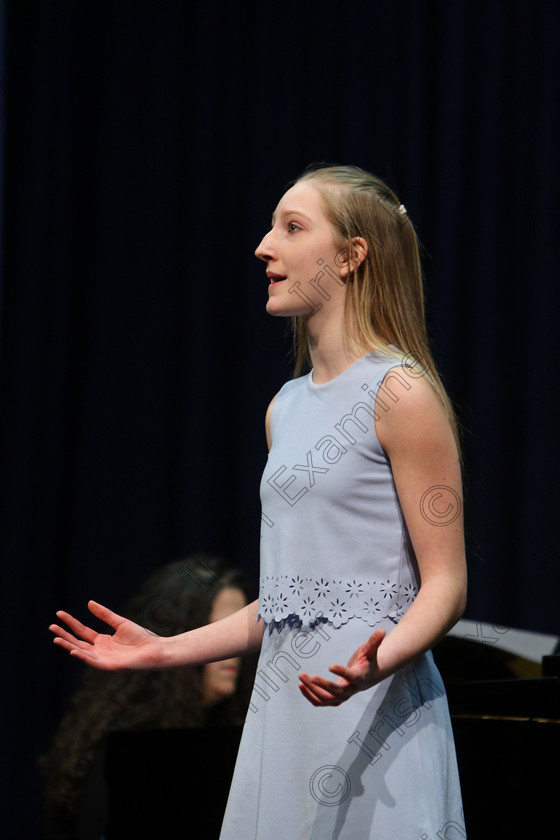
point(175, 598)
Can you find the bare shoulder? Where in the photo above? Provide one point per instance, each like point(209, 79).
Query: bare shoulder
point(412, 418)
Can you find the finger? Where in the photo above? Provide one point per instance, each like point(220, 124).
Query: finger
point(63, 643)
point(105, 614)
point(85, 652)
point(308, 695)
point(373, 642)
point(68, 638)
point(91, 659)
point(77, 628)
point(320, 682)
point(319, 698)
point(322, 689)
point(344, 672)
point(315, 698)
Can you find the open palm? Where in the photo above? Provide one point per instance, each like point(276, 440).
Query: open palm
point(360, 673)
point(129, 647)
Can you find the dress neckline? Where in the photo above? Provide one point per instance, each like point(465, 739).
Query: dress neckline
point(319, 385)
point(379, 354)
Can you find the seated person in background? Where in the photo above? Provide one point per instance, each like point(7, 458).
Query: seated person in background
point(180, 596)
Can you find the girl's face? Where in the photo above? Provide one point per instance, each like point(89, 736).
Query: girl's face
point(219, 679)
point(299, 252)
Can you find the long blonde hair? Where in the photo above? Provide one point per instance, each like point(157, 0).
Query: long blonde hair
point(385, 297)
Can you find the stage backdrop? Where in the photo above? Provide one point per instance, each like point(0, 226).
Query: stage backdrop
point(145, 148)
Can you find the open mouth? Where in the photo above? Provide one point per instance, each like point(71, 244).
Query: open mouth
point(275, 279)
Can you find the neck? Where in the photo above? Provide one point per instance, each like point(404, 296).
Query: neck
point(330, 348)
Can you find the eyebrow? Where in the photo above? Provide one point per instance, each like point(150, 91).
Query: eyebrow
point(291, 213)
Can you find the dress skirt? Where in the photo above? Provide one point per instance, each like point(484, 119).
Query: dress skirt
point(380, 766)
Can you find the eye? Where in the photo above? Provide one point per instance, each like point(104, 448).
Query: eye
point(292, 227)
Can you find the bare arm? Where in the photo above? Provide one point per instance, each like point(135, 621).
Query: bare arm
point(236, 635)
point(418, 440)
point(427, 475)
point(132, 647)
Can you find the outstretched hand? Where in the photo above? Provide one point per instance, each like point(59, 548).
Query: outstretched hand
point(361, 673)
point(130, 647)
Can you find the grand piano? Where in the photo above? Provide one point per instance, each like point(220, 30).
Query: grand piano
point(503, 688)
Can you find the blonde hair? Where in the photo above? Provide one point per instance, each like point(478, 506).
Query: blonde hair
point(385, 298)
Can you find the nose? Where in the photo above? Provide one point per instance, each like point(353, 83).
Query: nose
point(265, 250)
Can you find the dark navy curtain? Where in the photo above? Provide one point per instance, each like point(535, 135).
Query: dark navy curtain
point(2, 86)
point(145, 147)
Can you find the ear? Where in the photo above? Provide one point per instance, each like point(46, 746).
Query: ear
point(349, 259)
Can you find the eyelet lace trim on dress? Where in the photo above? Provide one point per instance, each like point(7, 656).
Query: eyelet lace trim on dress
point(297, 601)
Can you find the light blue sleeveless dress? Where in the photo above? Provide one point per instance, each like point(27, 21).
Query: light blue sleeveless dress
point(337, 563)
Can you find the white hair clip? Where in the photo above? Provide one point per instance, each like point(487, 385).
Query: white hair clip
point(402, 210)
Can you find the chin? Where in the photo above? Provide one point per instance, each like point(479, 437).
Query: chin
point(272, 307)
point(275, 307)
